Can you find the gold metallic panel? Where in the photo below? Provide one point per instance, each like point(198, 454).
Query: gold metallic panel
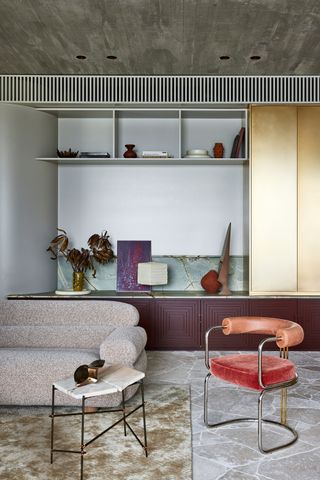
point(273, 199)
point(309, 199)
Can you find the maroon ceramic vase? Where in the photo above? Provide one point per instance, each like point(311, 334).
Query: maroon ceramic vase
point(130, 153)
point(209, 282)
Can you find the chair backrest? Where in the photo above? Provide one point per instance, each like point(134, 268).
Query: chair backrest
point(287, 332)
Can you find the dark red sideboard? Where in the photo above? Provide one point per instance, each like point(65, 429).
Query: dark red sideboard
point(180, 324)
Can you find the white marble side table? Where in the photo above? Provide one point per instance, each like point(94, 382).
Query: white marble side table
point(115, 378)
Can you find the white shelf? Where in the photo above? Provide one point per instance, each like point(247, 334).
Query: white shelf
point(175, 130)
point(145, 161)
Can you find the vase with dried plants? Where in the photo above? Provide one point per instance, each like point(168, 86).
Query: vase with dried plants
point(100, 250)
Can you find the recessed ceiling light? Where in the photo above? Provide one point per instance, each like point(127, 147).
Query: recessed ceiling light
point(112, 57)
point(224, 57)
point(81, 57)
point(255, 57)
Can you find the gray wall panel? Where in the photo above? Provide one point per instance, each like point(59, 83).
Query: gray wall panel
point(28, 209)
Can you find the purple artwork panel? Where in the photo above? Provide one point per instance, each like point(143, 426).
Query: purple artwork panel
point(129, 254)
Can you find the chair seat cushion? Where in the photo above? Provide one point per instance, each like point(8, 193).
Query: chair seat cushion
point(243, 369)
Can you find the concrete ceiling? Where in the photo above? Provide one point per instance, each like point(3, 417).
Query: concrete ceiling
point(161, 37)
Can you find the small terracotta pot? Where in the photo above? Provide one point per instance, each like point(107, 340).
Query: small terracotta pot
point(209, 282)
point(218, 150)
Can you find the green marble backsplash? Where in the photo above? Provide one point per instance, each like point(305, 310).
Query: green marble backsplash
point(184, 273)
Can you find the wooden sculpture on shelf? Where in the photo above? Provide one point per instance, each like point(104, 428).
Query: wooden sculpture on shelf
point(224, 264)
point(214, 282)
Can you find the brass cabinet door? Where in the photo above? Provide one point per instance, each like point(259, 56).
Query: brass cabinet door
point(309, 199)
point(273, 199)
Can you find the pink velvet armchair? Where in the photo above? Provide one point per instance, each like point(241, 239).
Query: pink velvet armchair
point(260, 372)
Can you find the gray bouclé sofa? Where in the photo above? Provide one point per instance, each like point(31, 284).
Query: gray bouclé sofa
point(42, 341)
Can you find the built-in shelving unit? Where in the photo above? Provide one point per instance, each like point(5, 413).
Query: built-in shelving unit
point(153, 197)
point(165, 129)
point(183, 205)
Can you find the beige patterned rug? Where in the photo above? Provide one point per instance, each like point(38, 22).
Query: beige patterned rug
point(25, 442)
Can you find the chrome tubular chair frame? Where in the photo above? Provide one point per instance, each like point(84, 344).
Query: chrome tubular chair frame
point(265, 389)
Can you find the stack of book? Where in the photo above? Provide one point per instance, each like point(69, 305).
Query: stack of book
point(94, 155)
point(238, 144)
point(154, 154)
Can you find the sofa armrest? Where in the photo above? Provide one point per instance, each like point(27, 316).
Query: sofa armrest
point(123, 345)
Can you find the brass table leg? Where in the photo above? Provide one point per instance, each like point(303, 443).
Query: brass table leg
point(284, 353)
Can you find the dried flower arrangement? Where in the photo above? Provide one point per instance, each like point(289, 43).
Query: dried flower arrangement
point(82, 260)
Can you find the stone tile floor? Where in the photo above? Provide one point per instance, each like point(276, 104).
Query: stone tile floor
point(231, 452)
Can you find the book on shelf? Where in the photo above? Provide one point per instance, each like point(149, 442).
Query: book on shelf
point(94, 155)
point(234, 146)
point(240, 142)
point(154, 154)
